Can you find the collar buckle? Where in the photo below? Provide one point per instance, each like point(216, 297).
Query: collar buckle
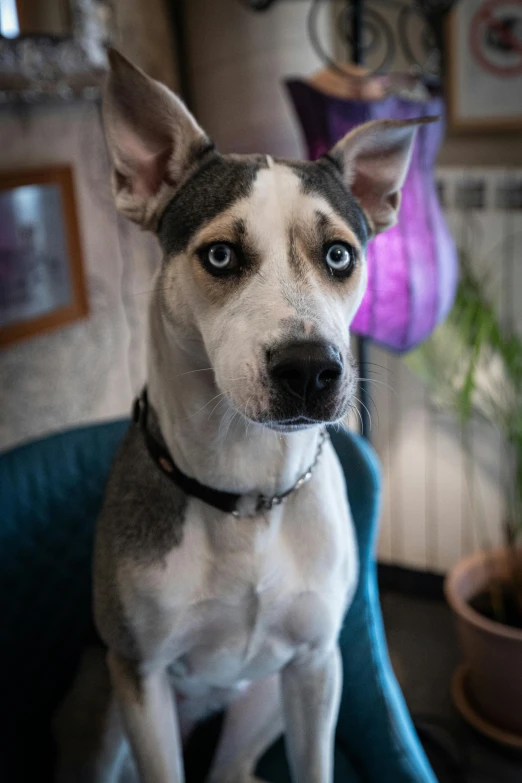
point(265, 503)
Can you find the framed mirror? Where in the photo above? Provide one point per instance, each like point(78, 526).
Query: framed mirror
point(53, 48)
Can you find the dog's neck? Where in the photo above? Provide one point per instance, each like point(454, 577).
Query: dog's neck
point(206, 440)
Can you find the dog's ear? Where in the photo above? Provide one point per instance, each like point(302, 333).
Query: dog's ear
point(374, 160)
point(153, 139)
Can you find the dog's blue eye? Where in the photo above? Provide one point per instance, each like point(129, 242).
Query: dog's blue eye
point(338, 257)
point(220, 255)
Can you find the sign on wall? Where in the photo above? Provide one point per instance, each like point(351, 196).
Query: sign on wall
point(484, 74)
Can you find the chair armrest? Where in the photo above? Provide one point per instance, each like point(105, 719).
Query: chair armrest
point(374, 725)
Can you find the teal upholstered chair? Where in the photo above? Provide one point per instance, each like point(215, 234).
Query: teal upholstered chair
point(50, 494)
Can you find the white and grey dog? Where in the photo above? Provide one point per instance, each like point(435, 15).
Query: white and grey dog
point(240, 609)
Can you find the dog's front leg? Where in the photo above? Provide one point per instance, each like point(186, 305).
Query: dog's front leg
point(150, 719)
point(311, 694)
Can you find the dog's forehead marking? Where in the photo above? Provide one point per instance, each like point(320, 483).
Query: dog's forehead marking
point(285, 192)
point(272, 208)
point(275, 195)
point(278, 204)
point(278, 186)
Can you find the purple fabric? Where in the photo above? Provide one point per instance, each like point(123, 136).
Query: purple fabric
point(412, 268)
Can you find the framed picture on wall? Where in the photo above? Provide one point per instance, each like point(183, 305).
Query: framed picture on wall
point(484, 73)
point(42, 284)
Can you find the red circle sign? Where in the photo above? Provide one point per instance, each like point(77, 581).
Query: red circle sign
point(496, 37)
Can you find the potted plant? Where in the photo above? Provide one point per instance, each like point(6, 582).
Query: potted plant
point(473, 367)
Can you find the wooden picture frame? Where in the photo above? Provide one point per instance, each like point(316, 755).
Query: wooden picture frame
point(483, 77)
point(42, 282)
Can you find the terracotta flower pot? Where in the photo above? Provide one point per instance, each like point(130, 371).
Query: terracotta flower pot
point(492, 651)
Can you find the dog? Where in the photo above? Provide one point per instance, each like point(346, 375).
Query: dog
point(225, 555)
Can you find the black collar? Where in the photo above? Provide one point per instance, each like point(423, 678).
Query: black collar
point(227, 502)
point(224, 501)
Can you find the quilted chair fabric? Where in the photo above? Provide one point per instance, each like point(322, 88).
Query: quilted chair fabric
point(50, 494)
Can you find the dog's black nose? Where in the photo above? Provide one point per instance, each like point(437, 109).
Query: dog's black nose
point(305, 369)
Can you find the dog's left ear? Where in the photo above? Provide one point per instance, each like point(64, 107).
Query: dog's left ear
point(374, 160)
point(153, 139)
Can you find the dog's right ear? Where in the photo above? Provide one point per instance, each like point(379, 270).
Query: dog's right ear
point(153, 139)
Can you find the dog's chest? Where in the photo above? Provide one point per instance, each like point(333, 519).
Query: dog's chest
point(256, 612)
point(237, 603)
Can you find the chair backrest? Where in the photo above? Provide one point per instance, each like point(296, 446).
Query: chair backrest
point(51, 491)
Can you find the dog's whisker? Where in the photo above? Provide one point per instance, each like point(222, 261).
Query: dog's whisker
point(226, 421)
point(381, 366)
point(189, 372)
point(211, 369)
point(232, 421)
point(366, 409)
point(375, 407)
point(241, 420)
point(246, 416)
point(221, 394)
point(228, 413)
point(358, 412)
point(372, 402)
point(220, 402)
point(235, 414)
point(374, 380)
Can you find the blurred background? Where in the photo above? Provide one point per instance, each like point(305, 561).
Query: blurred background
point(441, 396)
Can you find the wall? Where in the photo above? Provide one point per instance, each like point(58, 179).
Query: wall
point(442, 501)
point(89, 370)
point(237, 60)
point(493, 149)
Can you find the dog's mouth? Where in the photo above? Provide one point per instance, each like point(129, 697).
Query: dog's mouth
point(293, 425)
point(283, 415)
point(286, 421)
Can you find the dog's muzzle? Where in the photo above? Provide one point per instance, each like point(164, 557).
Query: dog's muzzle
point(306, 378)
